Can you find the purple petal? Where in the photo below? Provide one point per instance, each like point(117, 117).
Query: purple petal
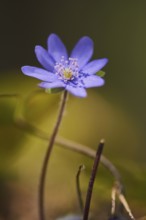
point(39, 73)
point(56, 48)
point(44, 58)
point(83, 51)
point(94, 66)
point(92, 81)
point(56, 84)
point(77, 91)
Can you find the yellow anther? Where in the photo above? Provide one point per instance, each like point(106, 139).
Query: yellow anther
point(67, 73)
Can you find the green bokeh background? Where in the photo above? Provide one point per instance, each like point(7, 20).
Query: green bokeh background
point(115, 112)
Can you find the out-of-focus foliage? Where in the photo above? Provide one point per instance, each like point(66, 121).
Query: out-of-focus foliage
point(85, 121)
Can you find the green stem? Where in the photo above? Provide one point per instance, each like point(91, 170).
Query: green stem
point(47, 157)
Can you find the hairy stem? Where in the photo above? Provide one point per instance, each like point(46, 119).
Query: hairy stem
point(47, 157)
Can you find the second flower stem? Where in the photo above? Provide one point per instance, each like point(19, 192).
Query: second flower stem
point(47, 157)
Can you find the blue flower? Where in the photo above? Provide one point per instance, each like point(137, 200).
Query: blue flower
point(73, 73)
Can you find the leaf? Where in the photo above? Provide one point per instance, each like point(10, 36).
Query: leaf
point(100, 73)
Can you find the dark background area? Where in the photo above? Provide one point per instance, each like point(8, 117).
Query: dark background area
point(118, 29)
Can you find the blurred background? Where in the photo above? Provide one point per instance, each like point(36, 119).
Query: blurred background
point(115, 112)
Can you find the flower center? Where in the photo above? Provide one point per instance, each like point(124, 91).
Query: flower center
point(67, 74)
point(67, 69)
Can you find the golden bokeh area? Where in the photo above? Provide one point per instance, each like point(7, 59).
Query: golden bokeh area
point(85, 121)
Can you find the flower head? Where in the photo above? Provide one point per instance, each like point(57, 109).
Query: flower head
point(73, 73)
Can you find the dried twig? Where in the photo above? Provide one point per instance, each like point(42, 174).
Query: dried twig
point(92, 179)
point(116, 191)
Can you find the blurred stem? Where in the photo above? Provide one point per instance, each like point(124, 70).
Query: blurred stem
point(80, 148)
point(23, 124)
point(4, 95)
point(71, 145)
point(47, 157)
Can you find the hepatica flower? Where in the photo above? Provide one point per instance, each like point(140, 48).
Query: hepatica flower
point(74, 73)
